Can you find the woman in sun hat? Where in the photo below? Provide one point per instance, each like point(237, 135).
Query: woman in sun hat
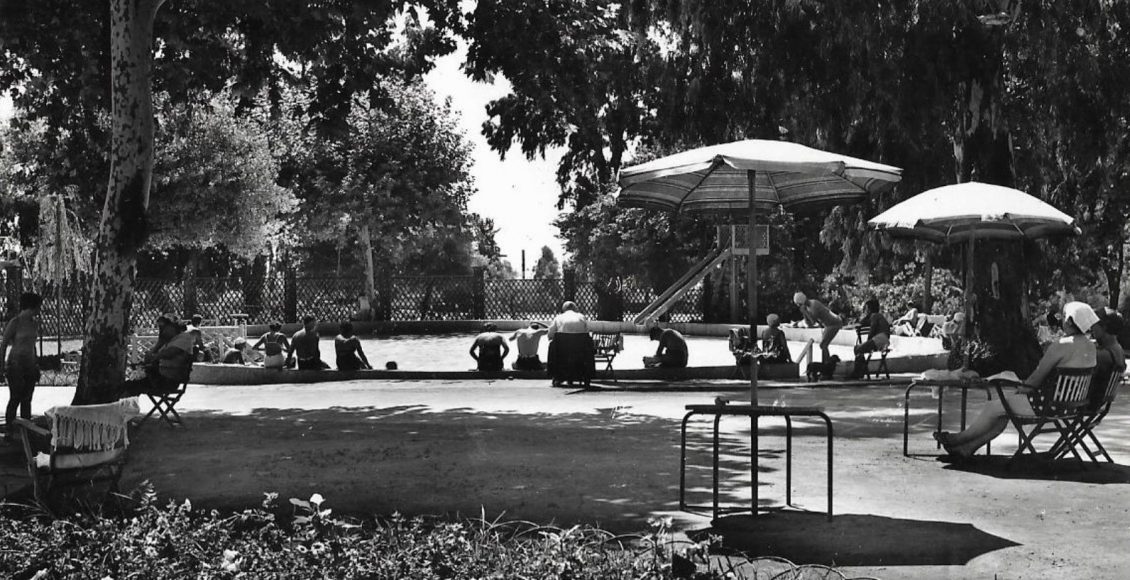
point(1074, 351)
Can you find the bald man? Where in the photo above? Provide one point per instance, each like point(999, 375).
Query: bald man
point(816, 313)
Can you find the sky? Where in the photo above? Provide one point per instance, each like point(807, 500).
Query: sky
point(520, 195)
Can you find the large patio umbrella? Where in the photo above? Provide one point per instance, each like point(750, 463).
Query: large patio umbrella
point(740, 179)
point(972, 211)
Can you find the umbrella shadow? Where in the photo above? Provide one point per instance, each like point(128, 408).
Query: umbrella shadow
point(1035, 468)
point(852, 539)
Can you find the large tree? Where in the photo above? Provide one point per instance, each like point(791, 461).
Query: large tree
point(68, 54)
point(398, 181)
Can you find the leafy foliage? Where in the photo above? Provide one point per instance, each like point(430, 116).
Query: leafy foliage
point(177, 540)
point(547, 267)
point(214, 182)
point(402, 169)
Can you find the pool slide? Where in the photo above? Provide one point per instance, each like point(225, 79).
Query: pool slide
point(681, 286)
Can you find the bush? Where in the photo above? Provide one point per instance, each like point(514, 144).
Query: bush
point(178, 541)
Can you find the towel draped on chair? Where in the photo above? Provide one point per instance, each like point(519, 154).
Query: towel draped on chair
point(91, 427)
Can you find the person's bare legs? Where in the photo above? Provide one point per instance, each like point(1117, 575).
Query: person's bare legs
point(986, 426)
point(826, 341)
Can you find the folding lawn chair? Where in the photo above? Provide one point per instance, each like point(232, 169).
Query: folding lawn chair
point(85, 445)
point(1093, 414)
point(1056, 406)
point(164, 406)
point(860, 336)
point(605, 348)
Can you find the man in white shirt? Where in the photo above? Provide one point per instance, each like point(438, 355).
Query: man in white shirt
point(570, 347)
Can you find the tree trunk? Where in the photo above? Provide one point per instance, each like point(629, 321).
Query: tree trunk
point(122, 228)
point(1113, 272)
point(370, 271)
point(995, 296)
point(191, 303)
point(928, 283)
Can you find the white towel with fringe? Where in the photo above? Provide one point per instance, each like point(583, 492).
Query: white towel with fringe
point(91, 427)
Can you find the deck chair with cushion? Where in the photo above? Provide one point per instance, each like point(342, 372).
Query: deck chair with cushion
point(1102, 397)
point(1057, 405)
point(83, 445)
point(860, 336)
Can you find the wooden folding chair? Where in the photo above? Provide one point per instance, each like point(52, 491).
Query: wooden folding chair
point(860, 336)
point(605, 348)
point(164, 406)
point(1084, 427)
point(84, 445)
point(1056, 406)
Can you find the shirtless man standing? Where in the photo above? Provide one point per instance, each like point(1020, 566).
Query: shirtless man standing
point(23, 366)
point(528, 340)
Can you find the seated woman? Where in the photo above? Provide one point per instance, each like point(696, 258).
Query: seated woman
point(1110, 357)
point(907, 324)
point(774, 344)
point(878, 337)
point(1073, 351)
point(273, 344)
point(350, 357)
point(166, 367)
point(238, 354)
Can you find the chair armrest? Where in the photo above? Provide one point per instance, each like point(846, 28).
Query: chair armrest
point(28, 425)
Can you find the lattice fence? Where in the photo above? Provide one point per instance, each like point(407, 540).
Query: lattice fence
point(523, 299)
point(329, 299)
point(233, 301)
point(432, 298)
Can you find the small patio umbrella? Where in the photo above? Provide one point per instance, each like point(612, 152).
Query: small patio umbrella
point(955, 213)
point(972, 211)
point(741, 178)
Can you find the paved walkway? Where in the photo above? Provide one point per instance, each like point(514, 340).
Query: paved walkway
point(522, 450)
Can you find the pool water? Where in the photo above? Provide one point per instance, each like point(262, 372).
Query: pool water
point(450, 352)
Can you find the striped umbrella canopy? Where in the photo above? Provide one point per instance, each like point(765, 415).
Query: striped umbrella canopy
point(955, 213)
point(746, 177)
point(715, 179)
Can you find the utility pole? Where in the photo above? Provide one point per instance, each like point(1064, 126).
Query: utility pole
point(523, 264)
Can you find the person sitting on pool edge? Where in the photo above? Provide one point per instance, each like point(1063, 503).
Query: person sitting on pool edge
point(528, 339)
point(238, 354)
point(304, 346)
point(491, 347)
point(273, 343)
point(350, 357)
point(774, 344)
point(672, 350)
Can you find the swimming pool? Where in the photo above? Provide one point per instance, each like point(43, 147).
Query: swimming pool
point(449, 352)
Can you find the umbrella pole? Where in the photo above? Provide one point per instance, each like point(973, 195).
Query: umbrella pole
point(751, 282)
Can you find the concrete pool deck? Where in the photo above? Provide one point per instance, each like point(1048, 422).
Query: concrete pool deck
point(521, 450)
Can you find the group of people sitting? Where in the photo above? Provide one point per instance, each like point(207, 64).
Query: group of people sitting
point(571, 347)
point(168, 362)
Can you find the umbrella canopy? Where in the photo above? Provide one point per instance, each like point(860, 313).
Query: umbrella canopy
point(745, 177)
point(955, 213)
point(715, 179)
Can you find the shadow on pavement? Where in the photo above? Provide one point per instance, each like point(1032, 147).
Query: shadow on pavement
point(1040, 469)
point(852, 539)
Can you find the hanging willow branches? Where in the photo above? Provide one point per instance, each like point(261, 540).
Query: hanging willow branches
point(62, 252)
